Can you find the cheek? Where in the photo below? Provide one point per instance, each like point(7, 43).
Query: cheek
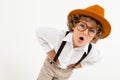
point(75, 34)
point(89, 39)
point(75, 31)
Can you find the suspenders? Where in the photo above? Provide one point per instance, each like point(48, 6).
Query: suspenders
point(60, 49)
point(84, 55)
point(62, 46)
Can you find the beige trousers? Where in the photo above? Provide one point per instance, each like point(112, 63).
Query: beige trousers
point(53, 72)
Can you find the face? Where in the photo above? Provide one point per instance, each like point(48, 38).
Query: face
point(83, 33)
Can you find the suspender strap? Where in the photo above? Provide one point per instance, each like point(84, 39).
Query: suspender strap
point(67, 32)
point(60, 49)
point(84, 55)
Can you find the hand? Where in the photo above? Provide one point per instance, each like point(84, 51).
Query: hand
point(76, 67)
point(51, 54)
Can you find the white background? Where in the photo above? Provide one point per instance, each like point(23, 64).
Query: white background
point(21, 56)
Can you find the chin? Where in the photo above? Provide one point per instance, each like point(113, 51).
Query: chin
point(78, 45)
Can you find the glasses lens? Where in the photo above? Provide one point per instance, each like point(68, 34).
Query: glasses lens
point(82, 26)
point(92, 31)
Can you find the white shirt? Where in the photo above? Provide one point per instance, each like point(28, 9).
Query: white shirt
point(51, 38)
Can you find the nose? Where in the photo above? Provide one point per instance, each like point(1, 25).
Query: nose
point(85, 32)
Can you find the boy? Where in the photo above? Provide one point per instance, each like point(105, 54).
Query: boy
point(74, 48)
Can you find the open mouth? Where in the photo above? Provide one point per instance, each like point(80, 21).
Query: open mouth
point(81, 38)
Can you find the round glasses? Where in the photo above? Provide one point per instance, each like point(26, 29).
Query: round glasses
point(82, 26)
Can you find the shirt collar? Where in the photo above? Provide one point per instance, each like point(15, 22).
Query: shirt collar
point(68, 38)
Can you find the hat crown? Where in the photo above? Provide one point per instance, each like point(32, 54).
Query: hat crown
point(96, 9)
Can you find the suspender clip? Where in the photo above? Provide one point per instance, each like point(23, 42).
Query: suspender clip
point(52, 62)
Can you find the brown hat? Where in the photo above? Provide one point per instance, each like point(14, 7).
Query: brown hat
point(96, 12)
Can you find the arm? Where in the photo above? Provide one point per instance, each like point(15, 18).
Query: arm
point(47, 37)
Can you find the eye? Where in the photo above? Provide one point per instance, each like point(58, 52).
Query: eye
point(92, 30)
point(82, 26)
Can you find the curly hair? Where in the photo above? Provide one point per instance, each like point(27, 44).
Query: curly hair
point(74, 19)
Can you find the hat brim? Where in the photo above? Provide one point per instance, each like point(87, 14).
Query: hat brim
point(106, 25)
